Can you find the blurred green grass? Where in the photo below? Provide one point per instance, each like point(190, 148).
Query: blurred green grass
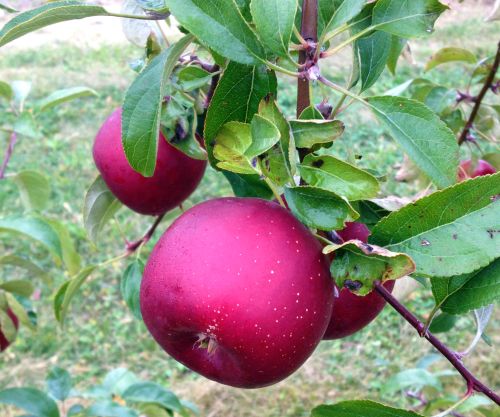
point(100, 333)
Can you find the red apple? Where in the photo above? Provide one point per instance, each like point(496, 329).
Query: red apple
point(176, 175)
point(482, 167)
point(238, 290)
point(4, 343)
point(351, 312)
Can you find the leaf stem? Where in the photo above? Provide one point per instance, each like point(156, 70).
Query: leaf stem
point(133, 246)
point(348, 41)
point(473, 384)
point(8, 154)
point(275, 191)
point(137, 17)
point(487, 84)
point(280, 69)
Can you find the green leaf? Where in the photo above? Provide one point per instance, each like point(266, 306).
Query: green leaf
point(25, 125)
point(33, 269)
point(360, 409)
point(20, 287)
point(269, 109)
point(345, 10)
point(232, 141)
point(318, 208)
point(424, 137)
point(19, 311)
point(59, 383)
point(358, 261)
point(100, 206)
point(397, 47)
point(191, 143)
point(236, 98)
point(274, 21)
point(149, 392)
point(118, 380)
point(7, 326)
point(407, 18)
point(107, 408)
point(34, 188)
point(193, 78)
point(46, 15)
point(63, 96)
point(36, 229)
point(6, 90)
point(70, 256)
point(373, 53)
point(73, 286)
point(142, 109)
point(219, 25)
point(59, 299)
point(31, 400)
point(248, 186)
point(22, 90)
point(411, 378)
point(264, 136)
point(450, 54)
point(8, 9)
point(337, 176)
point(461, 294)
point(310, 132)
point(443, 323)
point(130, 286)
point(311, 113)
point(449, 232)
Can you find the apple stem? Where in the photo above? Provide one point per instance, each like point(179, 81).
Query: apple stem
point(487, 85)
point(134, 246)
point(473, 384)
point(8, 154)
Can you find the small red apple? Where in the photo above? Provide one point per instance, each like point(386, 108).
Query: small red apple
point(482, 167)
point(176, 175)
point(238, 290)
point(4, 343)
point(351, 312)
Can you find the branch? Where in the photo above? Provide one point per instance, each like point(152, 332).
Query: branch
point(133, 246)
point(309, 32)
point(8, 154)
point(473, 384)
point(487, 85)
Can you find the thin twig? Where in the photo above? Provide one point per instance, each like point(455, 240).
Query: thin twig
point(487, 85)
point(473, 384)
point(133, 246)
point(8, 154)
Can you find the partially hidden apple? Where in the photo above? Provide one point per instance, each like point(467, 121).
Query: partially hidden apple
point(467, 170)
point(238, 290)
point(176, 175)
point(351, 312)
point(4, 343)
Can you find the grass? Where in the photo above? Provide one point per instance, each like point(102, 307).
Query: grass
point(101, 334)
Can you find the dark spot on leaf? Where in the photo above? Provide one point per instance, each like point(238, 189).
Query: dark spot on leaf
point(492, 232)
point(318, 164)
point(352, 285)
point(367, 247)
point(455, 236)
point(335, 237)
point(440, 259)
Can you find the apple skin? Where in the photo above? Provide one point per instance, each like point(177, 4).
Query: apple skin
point(482, 168)
point(4, 343)
point(246, 276)
point(176, 175)
point(352, 312)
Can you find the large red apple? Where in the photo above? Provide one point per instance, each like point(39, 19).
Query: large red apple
point(4, 343)
point(351, 312)
point(176, 175)
point(237, 289)
point(482, 167)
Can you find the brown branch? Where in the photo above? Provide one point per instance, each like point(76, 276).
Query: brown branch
point(473, 384)
point(487, 85)
point(8, 154)
point(133, 246)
